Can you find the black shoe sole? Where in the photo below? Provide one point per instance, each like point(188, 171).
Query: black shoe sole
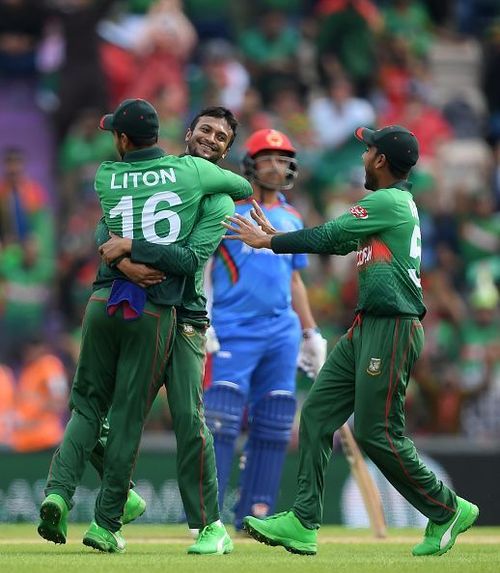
point(263, 539)
point(92, 543)
point(51, 514)
point(50, 535)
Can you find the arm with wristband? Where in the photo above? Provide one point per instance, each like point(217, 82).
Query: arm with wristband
point(313, 348)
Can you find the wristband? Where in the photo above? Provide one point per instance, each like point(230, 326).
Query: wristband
point(310, 332)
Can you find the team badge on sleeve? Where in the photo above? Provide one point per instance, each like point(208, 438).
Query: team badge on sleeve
point(374, 366)
point(359, 212)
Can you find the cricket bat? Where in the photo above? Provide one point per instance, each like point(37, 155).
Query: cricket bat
point(368, 488)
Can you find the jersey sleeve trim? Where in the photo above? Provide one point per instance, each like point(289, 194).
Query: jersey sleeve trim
point(229, 263)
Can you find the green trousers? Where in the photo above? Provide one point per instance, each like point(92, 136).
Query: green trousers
point(367, 373)
point(118, 371)
point(196, 469)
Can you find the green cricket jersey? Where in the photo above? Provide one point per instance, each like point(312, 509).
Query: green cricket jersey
point(156, 197)
point(191, 258)
point(384, 228)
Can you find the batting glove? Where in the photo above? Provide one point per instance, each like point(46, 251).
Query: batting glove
point(312, 353)
point(213, 345)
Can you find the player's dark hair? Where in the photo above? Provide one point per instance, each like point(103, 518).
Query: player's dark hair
point(397, 172)
point(142, 141)
point(221, 113)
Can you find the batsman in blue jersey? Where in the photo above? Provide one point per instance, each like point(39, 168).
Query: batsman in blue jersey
point(263, 322)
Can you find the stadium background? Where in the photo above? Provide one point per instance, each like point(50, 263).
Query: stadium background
point(316, 70)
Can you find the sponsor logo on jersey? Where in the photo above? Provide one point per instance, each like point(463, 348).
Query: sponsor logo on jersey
point(374, 250)
point(374, 366)
point(364, 255)
point(359, 212)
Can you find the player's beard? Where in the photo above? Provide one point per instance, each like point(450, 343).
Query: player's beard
point(120, 149)
point(370, 180)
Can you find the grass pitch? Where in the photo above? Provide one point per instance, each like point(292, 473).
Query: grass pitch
point(159, 548)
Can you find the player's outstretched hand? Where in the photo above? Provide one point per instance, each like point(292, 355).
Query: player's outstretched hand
point(258, 216)
point(243, 229)
point(114, 248)
point(140, 274)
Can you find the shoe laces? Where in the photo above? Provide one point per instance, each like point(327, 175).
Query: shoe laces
point(206, 531)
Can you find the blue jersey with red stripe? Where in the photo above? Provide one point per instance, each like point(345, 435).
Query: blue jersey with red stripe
point(250, 283)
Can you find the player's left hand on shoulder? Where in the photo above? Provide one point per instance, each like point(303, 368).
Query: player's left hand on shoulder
point(312, 353)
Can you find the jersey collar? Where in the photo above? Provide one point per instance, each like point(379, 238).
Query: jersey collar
point(143, 154)
point(280, 199)
point(403, 184)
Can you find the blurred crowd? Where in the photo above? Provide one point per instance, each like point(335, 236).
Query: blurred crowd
point(315, 69)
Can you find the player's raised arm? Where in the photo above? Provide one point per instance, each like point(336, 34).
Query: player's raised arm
point(217, 180)
point(374, 214)
point(324, 239)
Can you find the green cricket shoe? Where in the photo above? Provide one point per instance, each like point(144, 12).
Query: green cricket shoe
point(212, 540)
point(439, 539)
point(104, 540)
point(283, 529)
point(135, 506)
point(53, 524)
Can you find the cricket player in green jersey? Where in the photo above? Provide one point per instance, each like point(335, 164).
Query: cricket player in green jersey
point(127, 333)
point(210, 136)
point(369, 368)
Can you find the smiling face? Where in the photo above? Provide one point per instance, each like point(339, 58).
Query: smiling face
point(210, 138)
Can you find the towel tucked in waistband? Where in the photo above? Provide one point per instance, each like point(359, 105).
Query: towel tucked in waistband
point(128, 296)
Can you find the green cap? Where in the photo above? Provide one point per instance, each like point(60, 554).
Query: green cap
point(399, 145)
point(134, 117)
